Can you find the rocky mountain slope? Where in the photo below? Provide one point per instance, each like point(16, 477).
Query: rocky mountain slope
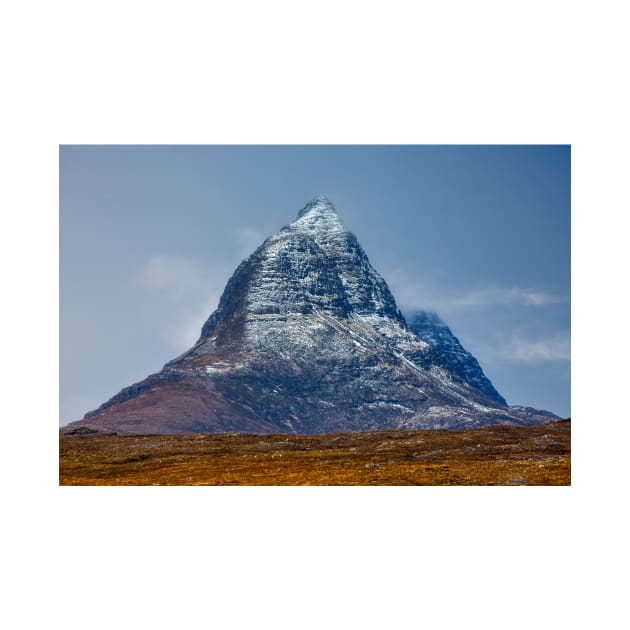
point(307, 338)
point(450, 353)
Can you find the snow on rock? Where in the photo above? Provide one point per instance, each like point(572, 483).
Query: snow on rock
point(449, 352)
point(308, 338)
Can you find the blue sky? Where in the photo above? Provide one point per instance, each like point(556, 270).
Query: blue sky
point(151, 234)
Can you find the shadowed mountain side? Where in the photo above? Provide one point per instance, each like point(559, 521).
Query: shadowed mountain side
point(450, 354)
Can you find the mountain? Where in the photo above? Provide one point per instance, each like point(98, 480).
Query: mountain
point(307, 338)
point(450, 353)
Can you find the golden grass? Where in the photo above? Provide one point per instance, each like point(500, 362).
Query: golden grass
point(489, 456)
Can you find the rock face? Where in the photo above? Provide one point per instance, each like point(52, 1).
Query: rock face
point(307, 338)
point(450, 353)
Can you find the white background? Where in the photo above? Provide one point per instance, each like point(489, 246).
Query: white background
point(325, 72)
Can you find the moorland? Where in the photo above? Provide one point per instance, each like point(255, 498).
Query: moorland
point(495, 455)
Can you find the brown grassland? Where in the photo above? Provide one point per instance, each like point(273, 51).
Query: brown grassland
point(503, 455)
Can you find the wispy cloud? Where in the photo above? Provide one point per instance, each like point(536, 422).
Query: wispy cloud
point(248, 238)
point(411, 294)
point(175, 277)
point(519, 349)
point(186, 324)
point(185, 292)
point(512, 295)
point(486, 321)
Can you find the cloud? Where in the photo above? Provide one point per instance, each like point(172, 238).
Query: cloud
point(248, 238)
point(175, 277)
point(518, 349)
point(186, 325)
point(513, 295)
point(413, 295)
point(184, 293)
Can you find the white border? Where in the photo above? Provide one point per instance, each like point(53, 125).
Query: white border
point(486, 72)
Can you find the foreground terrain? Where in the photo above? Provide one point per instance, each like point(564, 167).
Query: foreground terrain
point(503, 455)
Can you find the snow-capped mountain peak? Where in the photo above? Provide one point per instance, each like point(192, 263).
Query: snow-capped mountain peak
point(308, 338)
point(319, 218)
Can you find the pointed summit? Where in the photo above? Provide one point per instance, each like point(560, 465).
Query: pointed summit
point(307, 338)
point(318, 217)
point(321, 203)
